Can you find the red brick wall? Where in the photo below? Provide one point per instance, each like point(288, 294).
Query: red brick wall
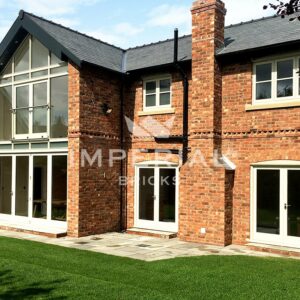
point(93, 192)
point(253, 136)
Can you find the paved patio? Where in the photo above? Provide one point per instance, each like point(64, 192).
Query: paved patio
point(138, 247)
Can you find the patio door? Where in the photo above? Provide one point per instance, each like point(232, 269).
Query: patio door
point(276, 217)
point(156, 198)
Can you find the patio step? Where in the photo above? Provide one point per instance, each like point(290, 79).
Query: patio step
point(280, 250)
point(152, 233)
point(50, 234)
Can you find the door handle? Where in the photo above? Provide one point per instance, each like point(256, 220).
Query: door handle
point(286, 206)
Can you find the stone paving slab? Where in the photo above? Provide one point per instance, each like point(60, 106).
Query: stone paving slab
point(139, 247)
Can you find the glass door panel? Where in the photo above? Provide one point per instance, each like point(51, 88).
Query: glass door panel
point(5, 184)
point(268, 201)
point(22, 111)
point(59, 188)
point(22, 184)
point(167, 195)
point(146, 194)
point(39, 209)
point(40, 107)
point(293, 203)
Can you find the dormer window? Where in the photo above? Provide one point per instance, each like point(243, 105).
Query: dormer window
point(157, 93)
point(276, 81)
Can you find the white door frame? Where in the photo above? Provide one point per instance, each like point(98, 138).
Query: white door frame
point(29, 220)
point(156, 224)
point(281, 239)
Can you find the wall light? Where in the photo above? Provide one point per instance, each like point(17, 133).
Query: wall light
point(106, 109)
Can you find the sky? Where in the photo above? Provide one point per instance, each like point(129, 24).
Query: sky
point(125, 23)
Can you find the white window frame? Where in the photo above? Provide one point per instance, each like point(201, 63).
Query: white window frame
point(30, 134)
point(157, 106)
point(281, 239)
point(30, 81)
point(274, 80)
point(24, 221)
point(156, 224)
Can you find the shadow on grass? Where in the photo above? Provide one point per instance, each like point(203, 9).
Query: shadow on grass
point(29, 291)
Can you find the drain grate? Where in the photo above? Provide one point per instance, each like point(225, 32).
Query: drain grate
point(96, 239)
point(81, 243)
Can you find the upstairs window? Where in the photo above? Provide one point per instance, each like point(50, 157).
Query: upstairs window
point(157, 93)
point(276, 81)
point(33, 94)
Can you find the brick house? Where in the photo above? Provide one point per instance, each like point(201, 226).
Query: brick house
point(209, 123)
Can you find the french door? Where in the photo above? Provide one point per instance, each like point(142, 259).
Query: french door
point(276, 207)
point(33, 188)
point(156, 205)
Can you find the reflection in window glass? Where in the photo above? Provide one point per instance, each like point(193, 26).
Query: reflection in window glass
point(59, 107)
point(5, 113)
point(39, 54)
point(22, 57)
point(59, 188)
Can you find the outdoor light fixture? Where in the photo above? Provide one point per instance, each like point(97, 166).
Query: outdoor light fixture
point(106, 109)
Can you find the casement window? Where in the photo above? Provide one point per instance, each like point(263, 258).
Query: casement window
point(33, 94)
point(276, 81)
point(157, 93)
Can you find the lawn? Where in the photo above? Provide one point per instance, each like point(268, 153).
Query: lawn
point(30, 270)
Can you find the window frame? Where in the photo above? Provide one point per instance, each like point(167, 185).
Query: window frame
point(157, 106)
point(30, 81)
point(274, 81)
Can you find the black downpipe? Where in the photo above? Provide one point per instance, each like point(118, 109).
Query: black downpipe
point(122, 148)
point(185, 80)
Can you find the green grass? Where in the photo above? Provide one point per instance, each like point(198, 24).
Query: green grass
point(31, 270)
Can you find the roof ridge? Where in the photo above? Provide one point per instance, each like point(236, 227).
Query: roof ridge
point(251, 21)
point(158, 42)
point(70, 29)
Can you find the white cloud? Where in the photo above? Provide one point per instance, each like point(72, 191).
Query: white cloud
point(105, 36)
point(128, 29)
point(66, 21)
point(170, 15)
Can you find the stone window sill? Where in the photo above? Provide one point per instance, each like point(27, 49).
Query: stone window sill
point(156, 112)
point(251, 107)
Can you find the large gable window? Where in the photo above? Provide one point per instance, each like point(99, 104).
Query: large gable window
point(157, 93)
point(276, 81)
point(33, 94)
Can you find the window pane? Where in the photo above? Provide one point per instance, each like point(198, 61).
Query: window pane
point(22, 57)
point(165, 85)
point(263, 72)
point(5, 80)
point(39, 120)
point(285, 88)
point(54, 59)
point(5, 113)
point(39, 74)
point(285, 69)
point(150, 100)
point(59, 107)
point(294, 203)
point(8, 69)
point(22, 118)
point(146, 194)
point(22, 176)
point(40, 94)
point(167, 195)
point(21, 77)
point(263, 90)
point(22, 96)
point(39, 56)
point(39, 209)
point(58, 70)
point(268, 199)
point(5, 185)
point(165, 99)
point(151, 87)
point(59, 188)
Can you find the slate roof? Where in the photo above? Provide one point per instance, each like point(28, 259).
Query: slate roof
point(80, 48)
